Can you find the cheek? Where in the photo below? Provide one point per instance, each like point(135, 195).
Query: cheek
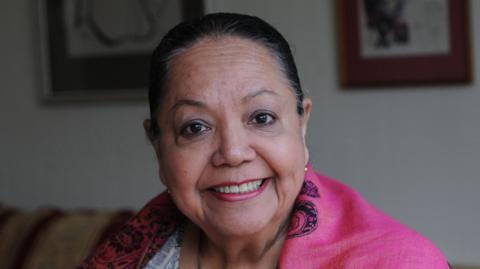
point(181, 169)
point(290, 151)
point(286, 156)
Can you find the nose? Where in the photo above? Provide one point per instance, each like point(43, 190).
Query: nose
point(234, 147)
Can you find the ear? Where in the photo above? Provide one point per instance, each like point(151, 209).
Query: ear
point(307, 108)
point(147, 127)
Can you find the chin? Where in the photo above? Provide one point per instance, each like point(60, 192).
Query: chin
point(243, 228)
point(241, 224)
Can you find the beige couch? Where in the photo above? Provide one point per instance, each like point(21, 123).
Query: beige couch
point(52, 238)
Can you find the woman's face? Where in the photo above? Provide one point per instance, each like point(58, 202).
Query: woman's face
point(231, 149)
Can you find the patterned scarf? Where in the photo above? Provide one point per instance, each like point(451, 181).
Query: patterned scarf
point(332, 227)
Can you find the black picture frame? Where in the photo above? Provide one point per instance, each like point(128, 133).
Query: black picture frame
point(96, 77)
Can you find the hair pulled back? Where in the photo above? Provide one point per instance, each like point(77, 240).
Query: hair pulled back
point(216, 25)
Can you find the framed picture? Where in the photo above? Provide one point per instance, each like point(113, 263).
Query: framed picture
point(403, 42)
point(95, 49)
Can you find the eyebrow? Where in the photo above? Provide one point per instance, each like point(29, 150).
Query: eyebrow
point(195, 103)
point(188, 102)
point(262, 91)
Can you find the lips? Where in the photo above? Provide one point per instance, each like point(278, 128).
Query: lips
point(240, 191)
point(240, 188)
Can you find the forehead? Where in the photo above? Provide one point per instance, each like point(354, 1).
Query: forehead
point(224, 63)
point(214, 51)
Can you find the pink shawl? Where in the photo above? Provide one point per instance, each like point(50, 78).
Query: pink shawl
point(332, 227)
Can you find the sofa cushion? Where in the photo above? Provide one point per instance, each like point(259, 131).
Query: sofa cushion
point(53, 238)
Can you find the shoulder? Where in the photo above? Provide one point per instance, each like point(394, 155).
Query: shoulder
point(370, 237)
point(139, 238)
point(399, 248)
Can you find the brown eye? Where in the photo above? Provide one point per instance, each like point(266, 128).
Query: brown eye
point(263, 118)
point(194, 129)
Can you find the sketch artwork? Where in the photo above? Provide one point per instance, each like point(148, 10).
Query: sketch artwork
point(403, 27)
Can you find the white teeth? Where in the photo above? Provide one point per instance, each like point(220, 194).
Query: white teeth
point(242, 188)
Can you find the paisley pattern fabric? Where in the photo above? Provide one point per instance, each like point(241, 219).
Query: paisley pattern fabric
point(332, 227)
point(140, 238)
point(168, 257)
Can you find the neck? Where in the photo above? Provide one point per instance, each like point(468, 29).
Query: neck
point(260, 250)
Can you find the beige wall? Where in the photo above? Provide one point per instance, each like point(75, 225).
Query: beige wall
point(414, 152)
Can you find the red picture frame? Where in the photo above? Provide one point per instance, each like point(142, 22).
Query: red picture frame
point(357, 69)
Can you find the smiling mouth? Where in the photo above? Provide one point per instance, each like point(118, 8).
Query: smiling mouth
point(246, 187)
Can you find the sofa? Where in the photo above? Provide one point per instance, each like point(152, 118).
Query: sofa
point(51, 238)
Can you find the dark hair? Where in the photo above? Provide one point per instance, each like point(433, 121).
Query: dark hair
point(186, 34)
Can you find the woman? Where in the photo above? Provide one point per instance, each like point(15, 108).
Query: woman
point(228, 122)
